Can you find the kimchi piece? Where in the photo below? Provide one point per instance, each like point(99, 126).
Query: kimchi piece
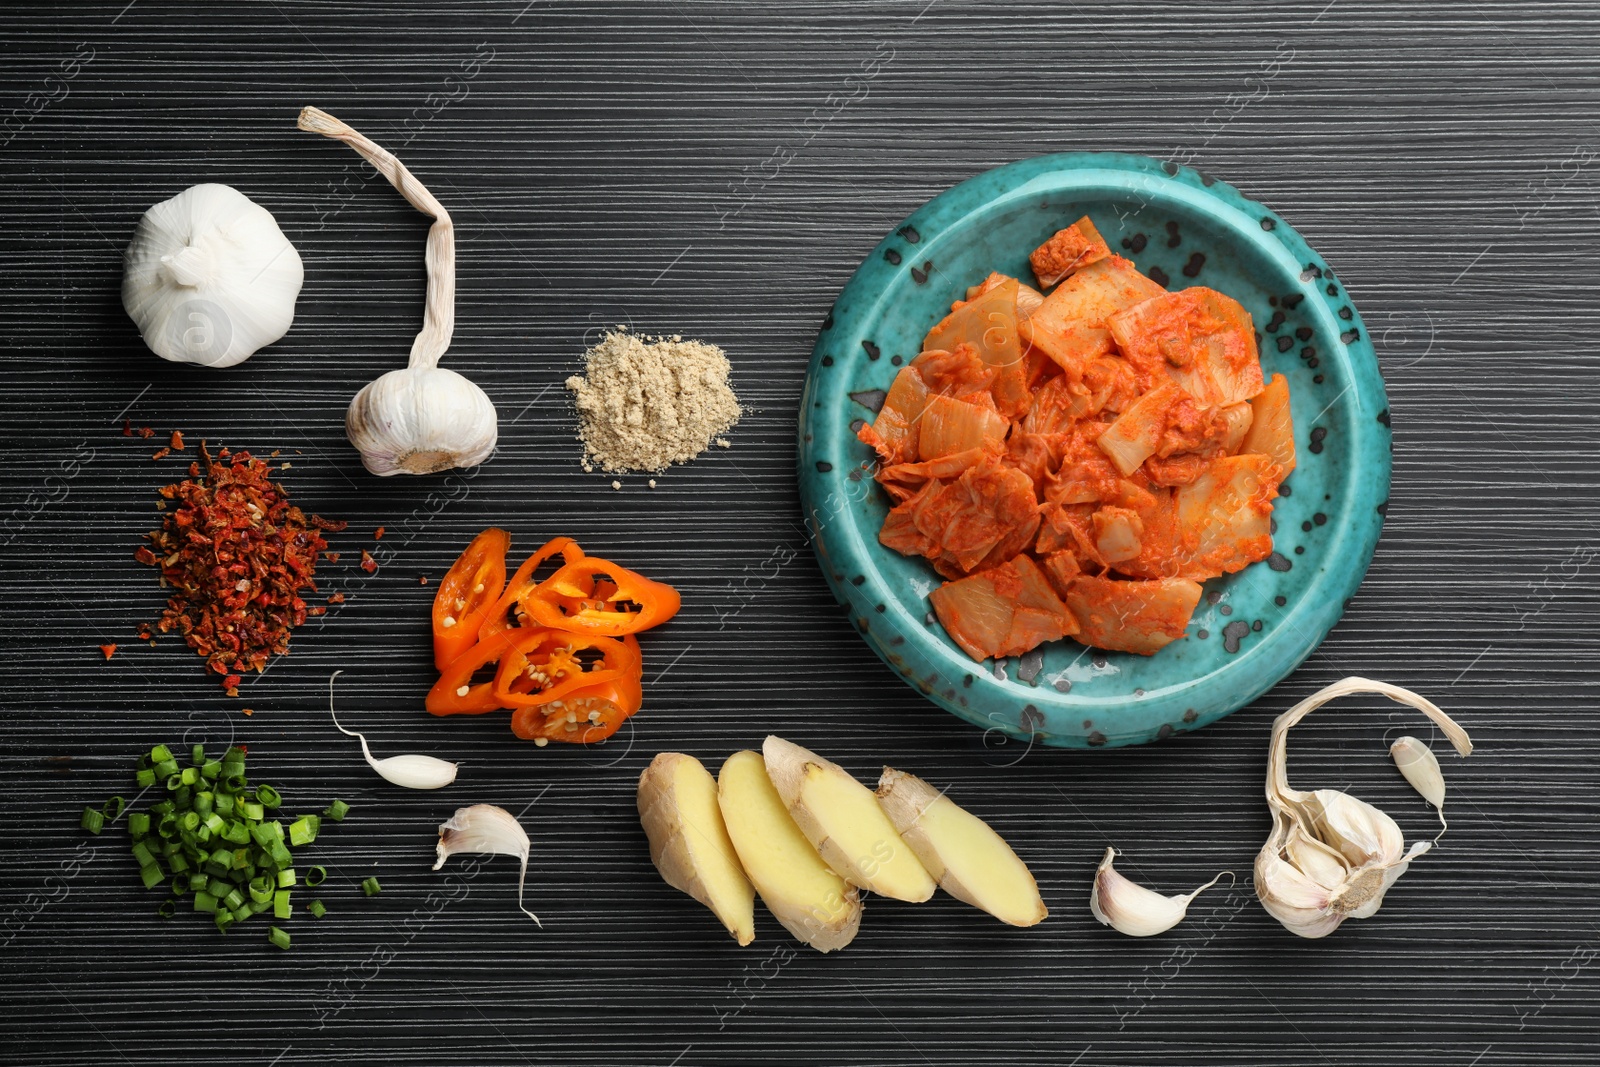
point(1075, 459)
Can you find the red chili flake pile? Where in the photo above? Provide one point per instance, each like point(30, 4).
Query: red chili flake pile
point(237, 556)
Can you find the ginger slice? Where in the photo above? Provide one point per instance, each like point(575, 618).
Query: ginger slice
point(689, 842)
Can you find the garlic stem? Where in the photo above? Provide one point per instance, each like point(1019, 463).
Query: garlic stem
point(410, 771)
point(439, 314)
point(188, 266)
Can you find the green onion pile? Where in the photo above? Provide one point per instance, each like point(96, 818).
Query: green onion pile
point(211, 837)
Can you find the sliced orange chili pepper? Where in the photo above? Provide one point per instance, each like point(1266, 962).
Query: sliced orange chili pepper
point(588, 596)
point(498, 620)
point(592, 712)
point(466, 595)
point(455, 693)
point(542, 667)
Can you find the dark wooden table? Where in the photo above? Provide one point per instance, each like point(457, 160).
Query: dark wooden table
point(717, 170)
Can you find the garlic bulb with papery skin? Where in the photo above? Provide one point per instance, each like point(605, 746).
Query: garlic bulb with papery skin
point(209, 278)
point(419, 420)
point(1331, 857)
point(422, 419)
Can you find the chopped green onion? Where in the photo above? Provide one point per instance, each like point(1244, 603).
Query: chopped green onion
point(280, 855)
point(166, 768)
point(278, 937)
point(233, 783)
point(236, 832)
point(92, 821)
point(151, 875)
point(251, 810)
point(221, 803)
point(160, 754)
point(205, 802)
point(205, 900)
point(268, 796)
point(211, 770)
point(177, 861)
point(113, 808)
point(316, 875)
point(145, 777)
point(223, 921)
point(197, 755)
point(190, 775)
point(168, 909)
point(138, 824)
point(370, 887)
point(244, 911)
point(141, 852)
point(286, 878)
point(168, 826)
point(198, 881)
point(280, 904)
point(317, 909)
point(174, 782)
point(241, 858)
point(337, 810)
point(261, 888)
point(213, 822)
point(302, 832)
point(233, 900)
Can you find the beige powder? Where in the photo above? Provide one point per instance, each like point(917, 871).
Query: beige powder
point(645, 403)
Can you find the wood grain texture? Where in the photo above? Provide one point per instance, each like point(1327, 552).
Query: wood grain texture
point(718, 169)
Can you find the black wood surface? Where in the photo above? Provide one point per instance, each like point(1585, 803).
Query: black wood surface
point(718, 169)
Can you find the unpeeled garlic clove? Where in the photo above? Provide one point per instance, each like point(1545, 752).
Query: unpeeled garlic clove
point(1330, 856)
point(1421, 768)
point(486, 828)
point(1129, 908)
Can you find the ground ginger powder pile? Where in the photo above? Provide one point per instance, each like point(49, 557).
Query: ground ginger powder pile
point(645, 403)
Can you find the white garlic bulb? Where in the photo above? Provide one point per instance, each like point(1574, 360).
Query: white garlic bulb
point(422, 419)
point(419, 420)
point(209, 278)
point(1331, 857)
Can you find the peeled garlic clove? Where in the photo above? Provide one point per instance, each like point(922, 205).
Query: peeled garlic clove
point(408, 772)
point(421, 420)
point(209, 277)
point(1330, 856)
point(1421, 768)
point(486, 828)
point(1129, 908)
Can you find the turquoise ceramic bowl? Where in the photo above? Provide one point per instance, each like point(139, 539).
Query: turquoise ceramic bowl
point(1182, 228)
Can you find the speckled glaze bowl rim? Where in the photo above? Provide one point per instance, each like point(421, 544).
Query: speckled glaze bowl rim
point(1120, 177)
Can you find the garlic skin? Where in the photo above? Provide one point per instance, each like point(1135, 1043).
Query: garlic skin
point(1129, 908)
point(1332, 857)
point(209, 278)
point(421, 420)
point(486, 828)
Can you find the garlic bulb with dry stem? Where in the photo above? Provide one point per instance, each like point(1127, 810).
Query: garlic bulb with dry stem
point(1331, 857)
point(1129, 908)
point(421, 419)
point(209, 278)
